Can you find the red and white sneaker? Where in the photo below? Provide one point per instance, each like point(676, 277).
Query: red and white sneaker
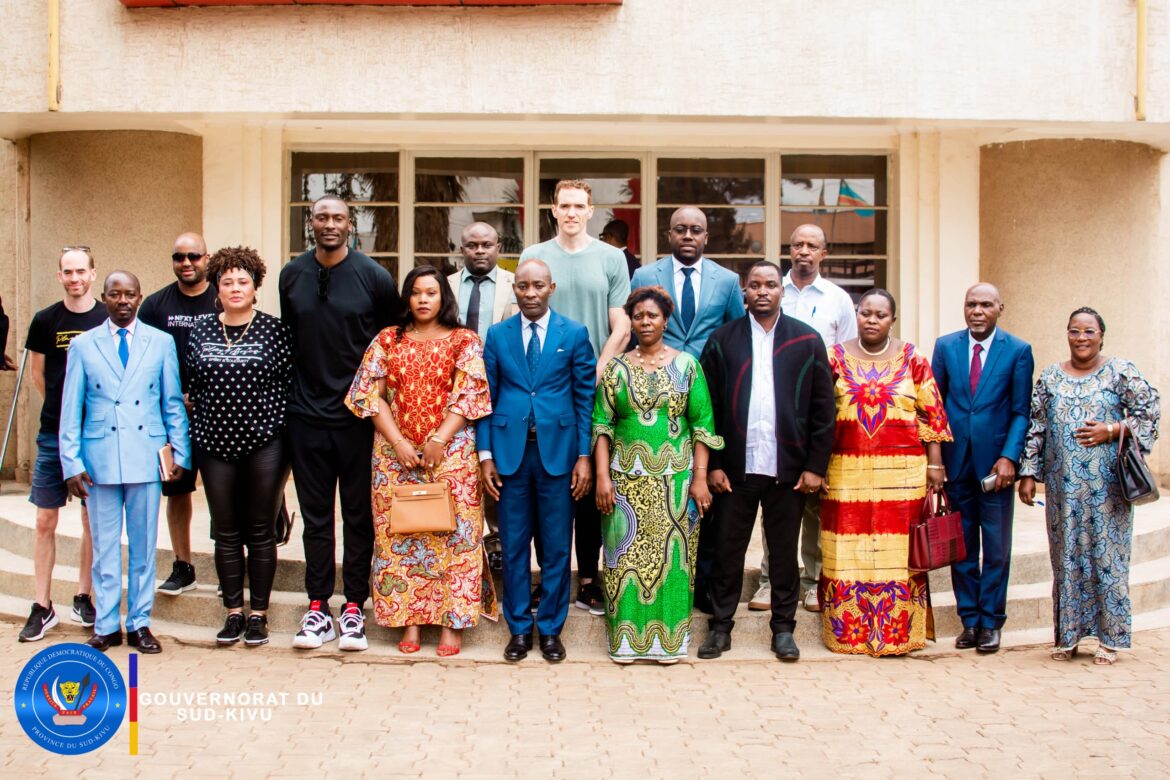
point(316, 627)
point(353, 628)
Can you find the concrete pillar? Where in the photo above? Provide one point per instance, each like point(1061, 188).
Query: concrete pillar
point(14, 284)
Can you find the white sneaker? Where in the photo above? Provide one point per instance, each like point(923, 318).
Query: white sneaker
point(316, 628)
point(762, 600)
point(353, 628)
point(810, 601)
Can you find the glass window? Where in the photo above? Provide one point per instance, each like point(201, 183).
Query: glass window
point(616, 186)
point(367, 182)
point(452, 192)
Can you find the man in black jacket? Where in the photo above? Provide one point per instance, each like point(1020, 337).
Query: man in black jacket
point(772, 393)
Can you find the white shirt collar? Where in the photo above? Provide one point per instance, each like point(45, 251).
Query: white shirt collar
point(971, 342)
point(679, 265)
point(758, 328)
point(541, 324)
point(129, 328)
point(490, 274)
point(816, 284)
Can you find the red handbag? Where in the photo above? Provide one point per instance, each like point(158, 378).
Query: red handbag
point(936, 538)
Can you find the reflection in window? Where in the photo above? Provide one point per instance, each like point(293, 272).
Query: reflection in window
point(617, 193)
point(731, 194)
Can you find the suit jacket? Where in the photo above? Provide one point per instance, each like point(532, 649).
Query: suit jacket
point(632, 262)
point(720, 301)
point(992, 423)
point(505, 303)
point(114, 420)
point(561, 396)
point(806, 410)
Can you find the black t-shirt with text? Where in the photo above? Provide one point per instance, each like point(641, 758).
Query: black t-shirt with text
point(171, 311)
point(49, 333)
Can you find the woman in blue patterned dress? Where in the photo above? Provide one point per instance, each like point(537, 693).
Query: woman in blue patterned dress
point(1078, 408)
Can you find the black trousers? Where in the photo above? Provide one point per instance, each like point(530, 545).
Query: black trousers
point(782, 510)
point(587, 536)
point(324, 460)
point(243, 498)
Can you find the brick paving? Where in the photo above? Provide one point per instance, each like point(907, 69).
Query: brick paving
point(1015, 714)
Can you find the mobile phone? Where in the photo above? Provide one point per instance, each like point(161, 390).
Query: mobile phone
point(988, 483)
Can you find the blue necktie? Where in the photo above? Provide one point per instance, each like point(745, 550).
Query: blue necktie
point(688, 299)
point(123, 347)
point(533, 352)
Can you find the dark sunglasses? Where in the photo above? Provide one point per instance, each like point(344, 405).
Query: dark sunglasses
point(323, 282)
point(179, 257)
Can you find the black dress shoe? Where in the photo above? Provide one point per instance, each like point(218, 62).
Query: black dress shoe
point(518, 647)
point(968, 639)
point(988, 640)
point(784, 646)
point(143, 640)
point(104, 642)
point(717, 643)
point(552, 649)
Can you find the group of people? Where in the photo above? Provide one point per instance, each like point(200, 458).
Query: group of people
point(642, 417)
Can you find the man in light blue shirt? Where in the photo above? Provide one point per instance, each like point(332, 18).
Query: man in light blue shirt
point(481, 281)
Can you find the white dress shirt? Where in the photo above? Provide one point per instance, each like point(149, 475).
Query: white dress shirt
point(986, 343)
point(824, 306)
point(761, 421)
point(526, 336)
point(129, 333)
point(680, 279)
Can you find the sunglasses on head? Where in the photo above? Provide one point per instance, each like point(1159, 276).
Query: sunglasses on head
point(179, 257)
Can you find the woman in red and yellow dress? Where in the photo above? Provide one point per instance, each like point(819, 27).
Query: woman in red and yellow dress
point(423, 383)
point(886, 455)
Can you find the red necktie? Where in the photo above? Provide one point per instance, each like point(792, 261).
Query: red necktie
point(976, 368)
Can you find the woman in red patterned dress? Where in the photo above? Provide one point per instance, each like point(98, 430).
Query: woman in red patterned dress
point(886, 455)
point(423, 383)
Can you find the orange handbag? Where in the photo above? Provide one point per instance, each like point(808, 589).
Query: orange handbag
point(423, 508)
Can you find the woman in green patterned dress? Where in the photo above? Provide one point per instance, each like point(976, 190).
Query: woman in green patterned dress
point(652, 425)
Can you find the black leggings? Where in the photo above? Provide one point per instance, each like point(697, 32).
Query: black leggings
point(244, 498)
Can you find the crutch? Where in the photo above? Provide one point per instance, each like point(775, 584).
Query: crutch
point(12, 411)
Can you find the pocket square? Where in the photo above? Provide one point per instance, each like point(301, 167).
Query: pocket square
point(560, 349)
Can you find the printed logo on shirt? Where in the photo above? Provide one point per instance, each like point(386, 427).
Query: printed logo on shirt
point(184, 320)
point(66, 336)
point(211, 352)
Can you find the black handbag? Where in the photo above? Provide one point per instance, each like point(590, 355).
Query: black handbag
point(1138, 484)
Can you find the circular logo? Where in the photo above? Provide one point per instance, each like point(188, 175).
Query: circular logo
point(70, 699)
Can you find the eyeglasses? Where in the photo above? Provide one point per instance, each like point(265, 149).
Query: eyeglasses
point(179, 257)
point(1088, 333)
point(694, 230)
point(323, 282)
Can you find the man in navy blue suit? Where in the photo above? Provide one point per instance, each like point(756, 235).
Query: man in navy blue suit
point(985, 376)
point(534, 452)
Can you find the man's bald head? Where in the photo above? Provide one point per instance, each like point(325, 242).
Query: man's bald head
point(121, 277)
point(190, 242)
point(981, 309)
point(687, 234)
point(480, 245)
point(534, 268)
point(985, 288)
point(533, 287)
point(122, 294)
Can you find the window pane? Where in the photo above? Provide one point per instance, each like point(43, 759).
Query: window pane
point(354, 177)
point(833, 180)
point(601, 217)
point(730, 231)
point(706, 182)
point(849, 232)
point(376, 231)
point(613, 182)
point(439, 229)
point(468, 180)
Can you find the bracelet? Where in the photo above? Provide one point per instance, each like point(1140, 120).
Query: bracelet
point(394, 444)
point(932, 466)
point(1111, 431)
point(437, 440)
point(698, 469)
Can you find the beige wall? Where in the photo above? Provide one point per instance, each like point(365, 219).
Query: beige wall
point(13, 288)
point(1065, 224)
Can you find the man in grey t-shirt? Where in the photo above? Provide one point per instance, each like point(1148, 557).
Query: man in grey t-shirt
point(593, 284)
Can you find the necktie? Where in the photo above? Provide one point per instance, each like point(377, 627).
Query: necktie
point(533, 352)
point(688, 299)
point(473, 303)
point(123, 347)
point(976, 367)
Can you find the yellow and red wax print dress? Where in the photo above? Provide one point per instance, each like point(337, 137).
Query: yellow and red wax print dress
point(427, 579)
point(886, 409)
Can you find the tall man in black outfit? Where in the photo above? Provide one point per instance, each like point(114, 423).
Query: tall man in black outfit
point(174, 309)
point(335, 300)
point(772, 394)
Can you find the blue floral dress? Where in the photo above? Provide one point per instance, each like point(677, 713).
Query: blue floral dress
point(1090, 524)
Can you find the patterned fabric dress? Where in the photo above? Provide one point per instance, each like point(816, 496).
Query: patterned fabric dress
point(650, 540)
point(886, 409)
point(427, 579)
point(1090, 524)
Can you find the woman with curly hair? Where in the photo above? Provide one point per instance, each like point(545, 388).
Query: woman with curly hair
point(423, 383)
point(240, 366)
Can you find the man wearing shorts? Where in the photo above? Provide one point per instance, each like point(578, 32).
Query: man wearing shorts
point(49, 335)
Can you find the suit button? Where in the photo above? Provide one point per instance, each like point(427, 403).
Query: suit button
point(117, 403)
point(113, 428)
point(534, 395)
point(139, 427)
point(136, 403)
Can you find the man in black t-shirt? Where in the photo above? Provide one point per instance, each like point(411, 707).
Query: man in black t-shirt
point(48, 340)
point(174, 309)
point(335, 300)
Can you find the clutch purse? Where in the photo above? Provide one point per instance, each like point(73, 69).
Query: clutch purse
point(936, 538)
point(1138, 485)
point(422, 508)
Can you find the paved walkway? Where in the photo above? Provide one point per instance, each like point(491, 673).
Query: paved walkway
point(1016, 714)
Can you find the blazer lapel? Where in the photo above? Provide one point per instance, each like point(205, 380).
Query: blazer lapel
point(707, 291)
point(503, 295)
point(666, 280)
point(138, 347)
point(105, 345)
point(552, 340)
point(998, 345)
point(516, 344)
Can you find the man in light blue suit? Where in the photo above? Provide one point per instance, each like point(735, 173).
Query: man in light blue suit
point(985, 377)
point(706, 295)
point(534, 452)
point(122, 403)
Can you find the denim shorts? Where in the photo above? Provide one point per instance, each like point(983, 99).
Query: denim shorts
point(48, 481)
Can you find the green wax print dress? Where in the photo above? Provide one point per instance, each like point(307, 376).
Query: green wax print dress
point(650, 540)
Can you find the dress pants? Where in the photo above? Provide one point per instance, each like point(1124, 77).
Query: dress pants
point(106, 504)
point(810, 543)
point(981, 592)
point(532, 499)
point(323, 460)
point(782, 508)
point(587, 524)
